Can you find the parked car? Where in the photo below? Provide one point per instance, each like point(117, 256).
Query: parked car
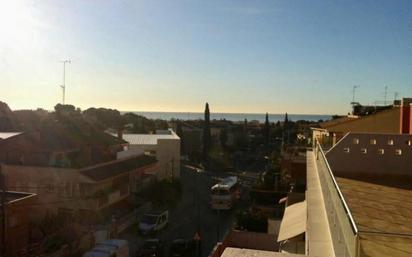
point(183, 248)
point(102, 251)
point(151, 248)
point(121, 246)
point(153, 222)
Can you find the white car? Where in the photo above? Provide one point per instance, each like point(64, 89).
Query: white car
point(153, 222)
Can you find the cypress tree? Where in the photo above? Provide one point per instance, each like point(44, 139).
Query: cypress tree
point(207, 138)
point(286, 129)
point(266, 130)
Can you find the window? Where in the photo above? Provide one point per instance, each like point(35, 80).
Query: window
point(356, 141)
point(346, 150)
point(398, 152)
point(381, 151)
point(373, 141)
point(364, 151)
point(390, 142)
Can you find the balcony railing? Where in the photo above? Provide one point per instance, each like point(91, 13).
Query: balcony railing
point(342, 226)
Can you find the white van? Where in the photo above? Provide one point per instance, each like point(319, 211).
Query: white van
point(153, 222)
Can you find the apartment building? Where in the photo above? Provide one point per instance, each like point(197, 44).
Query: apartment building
point(71, 173)
point(396, 119)
point(164, 146)
point(79, 191)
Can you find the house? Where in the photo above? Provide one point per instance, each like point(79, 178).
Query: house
point(18, 206)
point(164, 146)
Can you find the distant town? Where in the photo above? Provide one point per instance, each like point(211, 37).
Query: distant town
point(98, 182)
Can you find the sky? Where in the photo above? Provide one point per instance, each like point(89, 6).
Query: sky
point(300, 57)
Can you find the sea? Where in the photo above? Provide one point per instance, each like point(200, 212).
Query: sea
point(232, 116)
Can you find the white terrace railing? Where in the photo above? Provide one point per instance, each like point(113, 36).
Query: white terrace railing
point(342, 226)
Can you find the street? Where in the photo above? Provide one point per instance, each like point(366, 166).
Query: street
point(192, 212)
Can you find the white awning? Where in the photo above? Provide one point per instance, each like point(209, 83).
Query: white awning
point(293, 222)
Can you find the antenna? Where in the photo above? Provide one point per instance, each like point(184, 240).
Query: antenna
point(353, 94)
point(63, 86)
point(395, 95)
point(386, 94)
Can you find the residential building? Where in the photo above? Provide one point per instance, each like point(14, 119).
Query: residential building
point(396, 119)
point(164, 146)
point(79, 191)
point(18, 206)
point(71, 172)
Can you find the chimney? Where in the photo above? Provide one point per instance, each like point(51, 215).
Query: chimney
point(406, 116)
point(120, 133)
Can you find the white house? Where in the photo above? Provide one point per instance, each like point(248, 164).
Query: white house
point(164, 145)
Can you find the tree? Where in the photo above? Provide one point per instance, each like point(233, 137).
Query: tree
point(266, 130)
point(207, 138)
point(286, 129)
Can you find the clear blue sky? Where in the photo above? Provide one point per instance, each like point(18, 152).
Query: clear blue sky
point(240, 56)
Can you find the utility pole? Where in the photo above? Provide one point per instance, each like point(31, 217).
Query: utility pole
point(63, 86)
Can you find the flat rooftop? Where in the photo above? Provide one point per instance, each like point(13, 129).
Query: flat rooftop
point(149, 139)
point(383, 215)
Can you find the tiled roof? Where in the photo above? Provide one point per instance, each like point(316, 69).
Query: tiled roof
point(331, 123)
point(115, 168)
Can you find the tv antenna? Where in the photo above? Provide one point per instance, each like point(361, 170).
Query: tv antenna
point(386, 94)
point(353, 94)
point(63, 86)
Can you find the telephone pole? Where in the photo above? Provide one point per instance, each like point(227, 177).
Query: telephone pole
point(63, 86)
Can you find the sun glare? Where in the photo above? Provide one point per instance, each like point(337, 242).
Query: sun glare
point(16, 24)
